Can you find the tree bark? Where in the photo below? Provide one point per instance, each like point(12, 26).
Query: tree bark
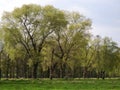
point(35, 68)
point(61, 71)
point(51, 66)
point(103, 75)
point(84, 72)
point(51, 73)
point(0, 66)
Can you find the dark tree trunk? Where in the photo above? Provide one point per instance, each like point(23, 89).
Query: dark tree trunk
point(61, 71)
point(25, 71)
point(51, 73)
point(51, 66)
point(84, 72)
point(17, 69)
point(0, 74)
point(98, 75)
point(35, 67)
point(103, 75)
point(0, 67)
point(64, 70)
point(7, 71)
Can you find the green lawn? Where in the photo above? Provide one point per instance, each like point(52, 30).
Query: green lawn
point(79, 84)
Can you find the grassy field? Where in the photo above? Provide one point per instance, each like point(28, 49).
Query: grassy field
point(79, 84)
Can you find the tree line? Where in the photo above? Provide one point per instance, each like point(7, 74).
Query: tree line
point(45, 42)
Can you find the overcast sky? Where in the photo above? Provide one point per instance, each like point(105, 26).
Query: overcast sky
point(105, 14)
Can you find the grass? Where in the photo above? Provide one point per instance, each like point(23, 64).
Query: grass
point(59, 84)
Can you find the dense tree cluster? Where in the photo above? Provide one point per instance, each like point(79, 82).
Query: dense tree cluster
point(42, 42)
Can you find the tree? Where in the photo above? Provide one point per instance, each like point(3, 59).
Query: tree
point(106, 56)
point(48, 42)
point(71, 38)
point(30, 26)
point(109, 55)
point(88, 55)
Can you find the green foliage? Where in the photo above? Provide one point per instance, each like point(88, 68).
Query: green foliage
point(48, 40)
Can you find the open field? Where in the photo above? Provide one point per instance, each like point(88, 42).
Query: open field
point(80, 84)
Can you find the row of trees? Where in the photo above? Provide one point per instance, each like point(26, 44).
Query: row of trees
point(45, 42)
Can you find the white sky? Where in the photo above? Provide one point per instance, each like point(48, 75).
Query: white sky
point(105, 14)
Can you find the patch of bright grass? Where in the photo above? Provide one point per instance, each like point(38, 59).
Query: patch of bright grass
point(59, 84)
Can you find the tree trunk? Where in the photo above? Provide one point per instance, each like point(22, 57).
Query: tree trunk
point(51, 73)
point(0, 74)
point(0, 67)
point(98, 74)
point(35, 67)
point(51, 66)
point(84, 72)
point(25, 71)
point(61, 71)
point(7, 68)
point(17, 69)
point(103, 75)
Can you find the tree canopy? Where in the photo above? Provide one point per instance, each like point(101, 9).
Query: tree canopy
point(43, 41)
